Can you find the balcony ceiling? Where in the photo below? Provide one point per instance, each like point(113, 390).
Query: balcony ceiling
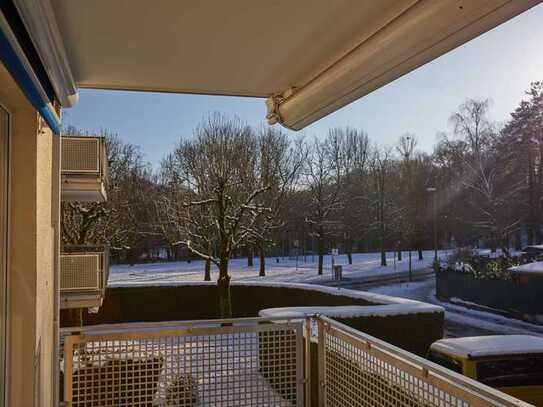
point(261, 48)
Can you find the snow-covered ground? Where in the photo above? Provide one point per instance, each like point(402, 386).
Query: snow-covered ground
point(277, 269)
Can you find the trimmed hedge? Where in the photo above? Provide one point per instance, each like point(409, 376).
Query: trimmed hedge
point(187, 302)
point(412, 331)
point(520, 296)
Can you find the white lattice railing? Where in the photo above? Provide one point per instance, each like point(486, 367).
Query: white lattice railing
point(359, 370)
point(255, 362)
point(245, 362)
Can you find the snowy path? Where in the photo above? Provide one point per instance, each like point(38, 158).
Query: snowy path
point(277, 269)
point(459, 320)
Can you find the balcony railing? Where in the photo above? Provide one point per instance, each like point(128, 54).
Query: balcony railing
point(83, 169)
point(255, 362)
point(84, 273)
point(245, 362)
point(355, 369)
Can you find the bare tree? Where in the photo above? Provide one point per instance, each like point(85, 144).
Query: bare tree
point(124, 218)
point(483, 171)
point(171, 215)
point(323, 174)
point(471, 124)
point(355, 187)
point(279, 167)
point(380, 167)
point(414, 179)
point(219, 190)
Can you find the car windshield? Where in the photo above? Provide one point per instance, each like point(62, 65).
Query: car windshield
point(445, 361)
point(513, 371)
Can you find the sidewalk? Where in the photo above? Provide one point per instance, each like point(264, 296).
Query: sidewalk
point(386, 278)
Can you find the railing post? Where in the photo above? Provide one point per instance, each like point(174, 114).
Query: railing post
point(68, 370)
point(307, 373)
point(321, 362)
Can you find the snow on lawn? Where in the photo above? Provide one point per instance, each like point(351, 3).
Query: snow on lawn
point(277, 269)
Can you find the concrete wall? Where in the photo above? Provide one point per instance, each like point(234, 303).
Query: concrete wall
point(31, 272)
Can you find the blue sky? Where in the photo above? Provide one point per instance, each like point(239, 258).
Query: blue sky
point(498, 65)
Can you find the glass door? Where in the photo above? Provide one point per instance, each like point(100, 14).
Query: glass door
point(4, 168)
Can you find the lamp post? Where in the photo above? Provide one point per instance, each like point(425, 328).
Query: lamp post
point(433, 190)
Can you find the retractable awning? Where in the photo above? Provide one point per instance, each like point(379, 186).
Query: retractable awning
point(20, 58)
point(307, 57)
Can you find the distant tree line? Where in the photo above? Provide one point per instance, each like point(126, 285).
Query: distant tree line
point(232, 190)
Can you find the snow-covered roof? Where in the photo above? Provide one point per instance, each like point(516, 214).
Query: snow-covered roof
point(487, 346)
point(535, 267)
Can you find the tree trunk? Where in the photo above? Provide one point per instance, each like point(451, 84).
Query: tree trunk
point(132, 257)
point(383, 255)
point(349, 247)
point(223, 285)
point(250, 255)
point(207, 271)
point(410, 267)
point(321, 252)
point(420, 254)
point(493, 244)
point(399, 254)
point(262, 271)
point(518, 240)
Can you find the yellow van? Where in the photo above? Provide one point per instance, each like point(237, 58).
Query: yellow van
point(510, 363)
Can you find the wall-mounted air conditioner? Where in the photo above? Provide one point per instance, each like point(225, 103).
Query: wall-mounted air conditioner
point(83, 278)
point(83, 169)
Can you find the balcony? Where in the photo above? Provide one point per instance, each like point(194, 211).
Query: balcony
point(83, 169)
point(311, 361)
point(83, 277)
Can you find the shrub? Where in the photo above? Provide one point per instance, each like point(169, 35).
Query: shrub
point(459, 256)
point(182, 392)
point(482, 267)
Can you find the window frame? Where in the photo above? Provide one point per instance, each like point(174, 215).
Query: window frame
point(5, 193)
point(452, 364)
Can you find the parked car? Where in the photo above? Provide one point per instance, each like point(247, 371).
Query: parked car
point(510, 363)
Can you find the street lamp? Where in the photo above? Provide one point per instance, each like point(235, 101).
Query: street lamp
point(433, 190)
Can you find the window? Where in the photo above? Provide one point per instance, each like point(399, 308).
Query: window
point(446, 361)
point(513, 371)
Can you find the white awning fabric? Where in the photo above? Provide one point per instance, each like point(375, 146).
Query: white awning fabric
point(308, 57)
